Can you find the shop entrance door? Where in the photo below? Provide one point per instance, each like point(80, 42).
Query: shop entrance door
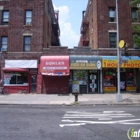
point(93, 82)
point(123, 81)
point(33, 83)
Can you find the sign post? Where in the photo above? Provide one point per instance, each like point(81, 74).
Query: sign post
point(118, 96)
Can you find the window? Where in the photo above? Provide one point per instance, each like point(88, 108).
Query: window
point(112, 39)
point(134, 14)
point(112, 15)
point(130, 77)
point(4, 42)
point(16, 78)
point(5, 17)
point(28, 17)
point(27, 43)
point(136, 37)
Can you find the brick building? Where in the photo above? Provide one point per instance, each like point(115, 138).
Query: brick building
point(33, 61)
point(99, 32)
point(26, 28)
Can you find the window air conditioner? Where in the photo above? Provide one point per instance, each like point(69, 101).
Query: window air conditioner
point(3, 49)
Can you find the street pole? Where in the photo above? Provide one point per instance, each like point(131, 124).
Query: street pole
point(118, 96)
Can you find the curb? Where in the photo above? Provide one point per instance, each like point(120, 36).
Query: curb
point(77, 104)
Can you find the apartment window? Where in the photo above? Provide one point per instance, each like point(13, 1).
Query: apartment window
point(112, 15)
point(4, 43)
point(134, 13)
point(28, 17)
point(27, 43)
point(112, 40)
point(5, 17)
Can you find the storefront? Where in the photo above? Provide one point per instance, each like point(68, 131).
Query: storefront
point(128, 73)
point(54, 78)
point(85, 73)
point(17, 75)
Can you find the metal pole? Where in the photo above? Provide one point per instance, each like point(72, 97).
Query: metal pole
point(118, 96)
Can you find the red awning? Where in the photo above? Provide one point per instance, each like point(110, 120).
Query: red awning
point(15, 70)
point(54, 65)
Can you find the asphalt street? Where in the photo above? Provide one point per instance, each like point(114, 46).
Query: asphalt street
point(39, 122)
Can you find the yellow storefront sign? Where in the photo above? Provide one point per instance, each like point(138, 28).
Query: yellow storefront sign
point(130, 88)
point(125, 63)
point(109, 89)
point(83, 66)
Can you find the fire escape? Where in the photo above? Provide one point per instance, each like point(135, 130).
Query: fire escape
point(56, 30)
point(84, 29)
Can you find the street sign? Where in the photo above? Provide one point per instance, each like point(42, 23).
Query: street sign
point(121, 43)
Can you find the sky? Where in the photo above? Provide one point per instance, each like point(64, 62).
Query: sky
point(70, 19)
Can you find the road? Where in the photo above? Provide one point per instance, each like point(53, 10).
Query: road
point(29, 122)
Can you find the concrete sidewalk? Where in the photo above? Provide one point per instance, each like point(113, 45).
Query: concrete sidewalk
point(84, 99)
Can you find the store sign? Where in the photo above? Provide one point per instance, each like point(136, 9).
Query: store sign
point(131, 88)
point(85, 62)
point(109, 89)
point(125, 63)
point(54, 65)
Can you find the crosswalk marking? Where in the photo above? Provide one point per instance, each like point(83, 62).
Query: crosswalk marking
point(78, 118)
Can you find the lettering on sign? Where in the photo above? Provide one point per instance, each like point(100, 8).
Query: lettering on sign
point(109, 89)
point(55, 63)
point(125, 64)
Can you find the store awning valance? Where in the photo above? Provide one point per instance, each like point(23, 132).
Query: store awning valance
point(54, 65)
point(15, 70)
point(20, 63)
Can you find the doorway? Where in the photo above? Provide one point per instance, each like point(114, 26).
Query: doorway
point(33, 83)
point(93, 82)
point(123, 81)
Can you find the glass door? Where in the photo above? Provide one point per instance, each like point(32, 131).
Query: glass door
point(93, 82)
point(123, 81)
point(33, 83)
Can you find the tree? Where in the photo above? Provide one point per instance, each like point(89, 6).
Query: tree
point(136, 36)
point(134, 2)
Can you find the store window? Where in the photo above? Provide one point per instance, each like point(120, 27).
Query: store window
point(16, 78)
point(80, 75)
point(109, 78)
point(130, 77)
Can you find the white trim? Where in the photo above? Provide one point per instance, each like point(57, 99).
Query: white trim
point(112, 22)
point(27, 34)
point(112, 31)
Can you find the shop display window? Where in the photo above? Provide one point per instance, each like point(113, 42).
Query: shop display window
point(109, 78)
point(130, 77)
point(16, 78)
point(81, 76)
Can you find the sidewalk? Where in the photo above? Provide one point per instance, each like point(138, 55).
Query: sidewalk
point(84, 99)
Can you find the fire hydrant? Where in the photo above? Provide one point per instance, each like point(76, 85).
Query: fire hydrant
point(76, 96)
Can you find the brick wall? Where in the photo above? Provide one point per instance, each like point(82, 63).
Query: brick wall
point(99, 25)
point(16, 28)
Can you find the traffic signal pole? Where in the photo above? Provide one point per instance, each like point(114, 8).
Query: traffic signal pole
point(118, 96)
